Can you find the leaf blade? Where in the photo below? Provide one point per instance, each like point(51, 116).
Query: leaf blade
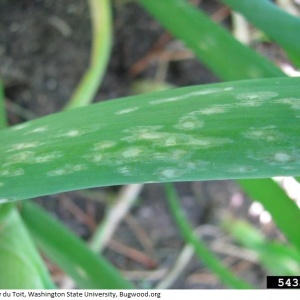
point(86, 90)
point(245, 129)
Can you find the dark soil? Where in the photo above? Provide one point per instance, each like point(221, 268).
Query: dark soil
point(44, 50)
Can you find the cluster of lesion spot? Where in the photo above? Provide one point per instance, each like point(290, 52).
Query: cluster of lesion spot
point(293, 103)
point(12, 172)
point(147, 144)
point(24, 146)
point(267, 133)
point(287, 159)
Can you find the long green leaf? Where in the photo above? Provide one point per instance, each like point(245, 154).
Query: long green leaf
point(280, 26)
point(245, 129)
point(204, 254)
point(212, 44)
point(70, 253)
point(284, 211)
point(21, 265)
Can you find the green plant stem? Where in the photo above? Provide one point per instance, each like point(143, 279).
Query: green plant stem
point(204, 254)
point(100, 53)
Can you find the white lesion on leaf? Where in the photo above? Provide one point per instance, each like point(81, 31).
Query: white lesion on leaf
point(201, 92)
point(294, 103)
point(12, 172)
point(196, 142)
point(126, 110)
point(229, 88)
point(255, 99)
point(189, 122)
point(169, 173)
point(165, 100)
point(23, 146)
point(67, 169)
point(37, 130)
point(46, 157)
point(193, 164)
point(241, 169)
point(30, 157)
point(288, 158)
point(212, 110)
point(125, 170)
point(103, 145)
point(143, 133)
point(20, 126)
point(282, 157)
point(101, 152)
point(21, 157)
point(268, 133)
point(94, 157)
point(132, 152)
point(155, 138)
point(208, 142)
point(72, 133)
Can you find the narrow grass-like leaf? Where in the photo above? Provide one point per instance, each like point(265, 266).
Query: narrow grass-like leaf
point(87, 269)
point(244, 129)
point(278, 259)
point(204, 254)
point(212, 44)
point(101, 47)
point(21, 266)
point(279, 25)
point(285, 212)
